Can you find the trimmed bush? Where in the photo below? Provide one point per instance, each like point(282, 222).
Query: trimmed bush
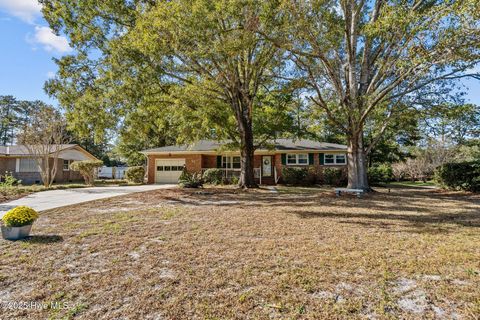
point(381, 173)
point(312, 176)
point(294, 175)
point(19, 217)
point(234, 180)
point(190, 180)
point(8, 180)
point(334, 177)
point(135, 174)
point(86, 169)
point(213, 176)
point(459, 176)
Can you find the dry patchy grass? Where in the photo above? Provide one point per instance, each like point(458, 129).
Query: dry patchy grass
point(227, 254)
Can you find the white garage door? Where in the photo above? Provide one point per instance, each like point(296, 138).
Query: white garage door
point(168, 170)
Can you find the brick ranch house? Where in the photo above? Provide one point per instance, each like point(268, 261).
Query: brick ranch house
point(18, 160)
point(165, 164)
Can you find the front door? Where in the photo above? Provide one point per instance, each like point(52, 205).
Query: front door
point(266, 166)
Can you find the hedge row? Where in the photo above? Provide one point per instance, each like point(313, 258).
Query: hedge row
point(459, 176)
point(309, 176)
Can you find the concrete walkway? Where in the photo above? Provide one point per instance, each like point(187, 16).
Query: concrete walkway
point(59, 198)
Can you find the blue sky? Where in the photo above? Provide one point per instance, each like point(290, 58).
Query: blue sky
point(29, 46)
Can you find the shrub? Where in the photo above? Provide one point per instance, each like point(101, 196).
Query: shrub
point(135, 174)
point(20, 216)
point(334, 177)
point(459, 176)
point(382, 173)
point(190, 180)
point(294, 176)
point(234, 180)
point(213, 176)
point(8, 180)
point(8, 183)
point(312, 176)
point(86, 169)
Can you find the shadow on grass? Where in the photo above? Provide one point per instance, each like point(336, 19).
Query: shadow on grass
point(430, 222)
point(394, 186)
point(43, 239)
point(427, 210)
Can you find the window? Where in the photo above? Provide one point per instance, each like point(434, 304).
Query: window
point(335, 159)
point(341, 159)
point(329, 159)
point(170, 168)
point(66, 165)
point(28, 165)
point(291, 159)
point(297, 158)
point(231, 162)
point(302, 158)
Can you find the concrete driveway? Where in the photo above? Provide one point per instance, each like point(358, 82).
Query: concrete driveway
point(59, 198)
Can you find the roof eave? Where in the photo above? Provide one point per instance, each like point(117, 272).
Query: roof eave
point(146, 152)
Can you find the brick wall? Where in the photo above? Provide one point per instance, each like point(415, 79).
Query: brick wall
point(209, 161)
point(195, 162)
point(7, 164)
point(66, 175)
point(278, 164)
point(316, 167)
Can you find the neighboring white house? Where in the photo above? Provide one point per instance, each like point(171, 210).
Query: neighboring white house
point(111, 172)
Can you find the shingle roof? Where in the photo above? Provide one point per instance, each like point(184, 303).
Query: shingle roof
point(278, 145)
point(21, 150)
point(289, 144)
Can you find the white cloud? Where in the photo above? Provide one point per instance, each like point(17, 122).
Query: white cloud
point(49, 40)
point(27, 10)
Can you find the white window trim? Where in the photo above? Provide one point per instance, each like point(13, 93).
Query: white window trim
point(335, 163)
point(296, 159)
point(231, 163)
point(63, 164)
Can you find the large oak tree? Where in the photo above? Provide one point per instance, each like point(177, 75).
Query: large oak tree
point(362, 58)
point(202, 55)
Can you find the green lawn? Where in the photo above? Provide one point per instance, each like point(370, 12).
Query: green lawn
point(412, 183)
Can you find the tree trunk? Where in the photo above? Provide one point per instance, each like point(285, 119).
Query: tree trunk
point(45, 168)
point(357, 165)
point(53, 171)
point(247, 177)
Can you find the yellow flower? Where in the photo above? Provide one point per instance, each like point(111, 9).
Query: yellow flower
point(19, 216)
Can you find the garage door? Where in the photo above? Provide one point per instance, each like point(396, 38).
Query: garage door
point(168, 170)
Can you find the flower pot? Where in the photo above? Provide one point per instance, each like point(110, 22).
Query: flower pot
point(16, 233)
